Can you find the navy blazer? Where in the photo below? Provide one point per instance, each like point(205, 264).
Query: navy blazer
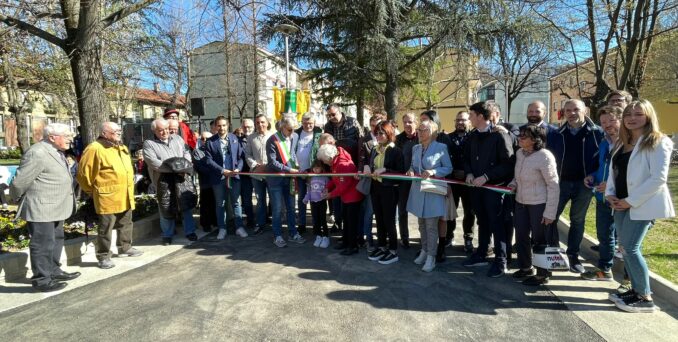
point(275, 160)
point(214, 159)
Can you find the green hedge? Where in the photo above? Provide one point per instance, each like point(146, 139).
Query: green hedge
point(14, 234)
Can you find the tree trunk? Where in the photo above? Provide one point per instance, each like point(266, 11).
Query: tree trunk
point(360, 108)
point(391, 94)
point(15, 104)
point(91, 99)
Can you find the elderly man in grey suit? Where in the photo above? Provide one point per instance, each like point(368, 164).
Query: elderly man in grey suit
point(43, 186)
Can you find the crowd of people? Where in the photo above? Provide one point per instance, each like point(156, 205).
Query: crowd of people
point(359, 174)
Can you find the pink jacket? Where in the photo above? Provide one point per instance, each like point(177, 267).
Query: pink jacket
point(536, 180)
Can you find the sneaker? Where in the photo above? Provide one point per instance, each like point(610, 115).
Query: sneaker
point(241, 232)
point(575, 265)
point(325, 242)
point(421, 258)
point(330, 220)
point(192, 237)
point(298, 239)
point(377, 254)
point(636, 304)
point(430, 264)
point(131, 252)
point(497, 270)
point(468, 246)
point(106, 264)
point(166, 241)
point(5, 206)
point(474, 261)
point(318, 240)
point(258, 230)
point(597, 274)
point(222, 234)
point(388, 258)
point(620, 297)
point(523, 273)
point(280, 242)
point(536, 281)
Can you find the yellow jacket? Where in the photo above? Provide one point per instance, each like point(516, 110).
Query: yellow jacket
point(105, 172)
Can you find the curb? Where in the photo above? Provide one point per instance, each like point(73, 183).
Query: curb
point(661, 287)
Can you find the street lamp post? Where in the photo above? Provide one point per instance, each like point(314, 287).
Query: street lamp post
point(286, 31)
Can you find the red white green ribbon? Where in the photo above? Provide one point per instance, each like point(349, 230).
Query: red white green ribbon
point(396, 176)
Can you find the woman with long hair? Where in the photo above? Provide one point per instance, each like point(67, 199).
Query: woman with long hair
point(638, 195)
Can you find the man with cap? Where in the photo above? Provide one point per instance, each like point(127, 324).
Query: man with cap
point(184, 131)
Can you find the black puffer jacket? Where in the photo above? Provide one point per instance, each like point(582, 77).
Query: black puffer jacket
point(176, 191)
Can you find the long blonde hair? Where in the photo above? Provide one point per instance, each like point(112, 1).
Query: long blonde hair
point(652, 135)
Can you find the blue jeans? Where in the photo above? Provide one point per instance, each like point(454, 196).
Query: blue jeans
point(302, 185)
point(220, 197)
point(167, 225)
point(605, 234)
point(631, 234)
point(279, 194)
point(246, 189)
point(365, 227)
point(260, 192)
point(580, 196)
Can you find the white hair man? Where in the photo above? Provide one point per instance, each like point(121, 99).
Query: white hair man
point(112, 188)
point(157, 150)
point(43, 187)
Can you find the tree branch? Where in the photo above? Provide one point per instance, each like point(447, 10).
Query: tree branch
point(40, 33)
point(124, 12)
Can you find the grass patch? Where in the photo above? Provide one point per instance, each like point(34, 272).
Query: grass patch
point(660, 246)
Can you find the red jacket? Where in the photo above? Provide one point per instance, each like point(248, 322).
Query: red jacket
point(344, 187)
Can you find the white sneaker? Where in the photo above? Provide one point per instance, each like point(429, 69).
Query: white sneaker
point(298, 239)
point(318, 240)
point(430, 263)
point(330, 220)
point(618, 254)
point(280, 242)
point(325, 242)
point(4, 206)
point(241, 232)
point(222, 234)
point(421, 258)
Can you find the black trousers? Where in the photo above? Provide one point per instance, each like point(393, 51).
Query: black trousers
point(350, 213)
point(318, 214)
point(529, 229)
point(3, 197)
point(508, 209)
point(384, 204)
point(208, 211)
point(461, 193)
point(107, 222)
point(47, 241)
point(488, 206)
point(403, 194)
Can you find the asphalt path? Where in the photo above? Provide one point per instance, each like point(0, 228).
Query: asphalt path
point(250, 290)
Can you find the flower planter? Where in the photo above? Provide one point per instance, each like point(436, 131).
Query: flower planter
point(15, 265)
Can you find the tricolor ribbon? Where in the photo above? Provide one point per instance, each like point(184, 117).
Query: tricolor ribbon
point(396, 176)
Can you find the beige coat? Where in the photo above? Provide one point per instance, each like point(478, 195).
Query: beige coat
point(536, 180)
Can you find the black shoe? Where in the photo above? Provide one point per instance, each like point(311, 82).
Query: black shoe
point(349, 251)
point(536, 281)
point(440, 255)
point(66, 276)
point(377, 254)
point(53, 285)
point(523, 274)
point(334, 229)
point(166, 241)
point(405, 243)
point(468, 246)
point(301, 230)
point(575, 264)
point(206, 229)
point(340, 246)
point(258, 230)
point(192, 237)
point(497, 270)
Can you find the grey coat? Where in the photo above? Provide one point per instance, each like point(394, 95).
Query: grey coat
point(43, 185)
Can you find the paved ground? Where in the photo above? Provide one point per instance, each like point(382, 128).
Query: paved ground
point(247, 289)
